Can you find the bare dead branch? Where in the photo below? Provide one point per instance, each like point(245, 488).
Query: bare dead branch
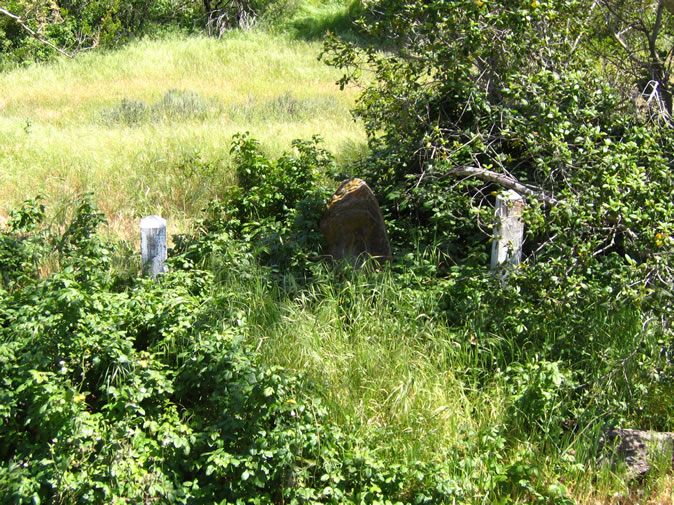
point(33, 33)
point(505, 181)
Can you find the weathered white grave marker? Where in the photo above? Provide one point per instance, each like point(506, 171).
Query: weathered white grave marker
point(509, 232)
point(153, 245)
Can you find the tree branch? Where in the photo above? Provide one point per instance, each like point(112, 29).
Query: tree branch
point(653, 37)
point(505, 181)
point(33, 33)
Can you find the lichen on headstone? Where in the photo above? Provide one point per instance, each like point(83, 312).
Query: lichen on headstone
point(353, 225)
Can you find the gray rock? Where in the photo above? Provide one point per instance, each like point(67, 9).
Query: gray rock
point(353, 225)
point(637, 448)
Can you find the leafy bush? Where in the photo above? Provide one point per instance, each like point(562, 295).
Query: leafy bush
point(286, 106)
point(73, 25)
point(277, 205)
point(147, 391)
point(175, 105)
point(471, 98)
point(540, 392)
point(22, 245)
point(465, 104)
point(120, 388)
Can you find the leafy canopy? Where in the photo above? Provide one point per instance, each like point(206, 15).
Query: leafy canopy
point(469, 97)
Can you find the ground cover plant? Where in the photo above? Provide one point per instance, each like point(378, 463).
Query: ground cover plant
point(258, 371)
point(117, 388)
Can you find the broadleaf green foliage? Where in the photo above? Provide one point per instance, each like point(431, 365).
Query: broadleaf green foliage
point(127, 389)
point(74, 25)
point(116, 387)
point(501, 87)
point(144, 393)
point(20, 246)
point(277, 204)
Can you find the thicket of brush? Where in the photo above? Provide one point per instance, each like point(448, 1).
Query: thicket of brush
point(258, 371)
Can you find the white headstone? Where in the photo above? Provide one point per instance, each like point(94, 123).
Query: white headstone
point(153, 245)
point(509, 232)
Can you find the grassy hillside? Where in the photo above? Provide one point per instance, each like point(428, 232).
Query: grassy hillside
point(148, 128)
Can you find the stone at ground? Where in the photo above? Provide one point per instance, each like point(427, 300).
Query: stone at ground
point(352, 224)
point(639, 448)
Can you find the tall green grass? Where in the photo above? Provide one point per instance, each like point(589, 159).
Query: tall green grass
point(314, 19)
point(147, 128)
point(376, 348)
point(379, 359)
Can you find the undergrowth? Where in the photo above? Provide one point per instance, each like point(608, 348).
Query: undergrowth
point(257, 371)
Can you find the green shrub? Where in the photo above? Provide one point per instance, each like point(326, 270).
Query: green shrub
point(147, 391)
point(73, 25)
point(540, 396)
point(118, 388)
point(22, 245)
point(277, 205)
point(286, 107)
point(175, 105)
point(464, 105)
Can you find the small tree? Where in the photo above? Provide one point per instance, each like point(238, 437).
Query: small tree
point(637, 39)
point(472, 96)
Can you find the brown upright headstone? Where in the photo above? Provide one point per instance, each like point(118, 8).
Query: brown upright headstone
point(353, 225)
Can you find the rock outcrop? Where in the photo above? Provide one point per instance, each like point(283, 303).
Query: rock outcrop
point(353, 225)
point(638, 448)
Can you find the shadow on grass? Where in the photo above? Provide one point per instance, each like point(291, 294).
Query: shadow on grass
point(314, 23)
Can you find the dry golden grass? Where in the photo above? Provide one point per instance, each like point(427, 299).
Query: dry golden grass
point(55, 141)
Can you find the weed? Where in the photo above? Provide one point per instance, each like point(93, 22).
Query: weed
point(176, 105)
point(128, 112)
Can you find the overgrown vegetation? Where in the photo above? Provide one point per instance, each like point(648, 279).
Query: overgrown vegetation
point(37, 30)
point(119, 388)
point(258, 371)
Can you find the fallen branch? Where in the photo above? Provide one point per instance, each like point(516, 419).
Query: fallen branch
point(506, 182)
point(33, 33)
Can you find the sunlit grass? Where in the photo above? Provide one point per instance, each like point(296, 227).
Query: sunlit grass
point(315, 18)
point(420, 387)
point(55, 139)
point(376, 360)
point(367, 346)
